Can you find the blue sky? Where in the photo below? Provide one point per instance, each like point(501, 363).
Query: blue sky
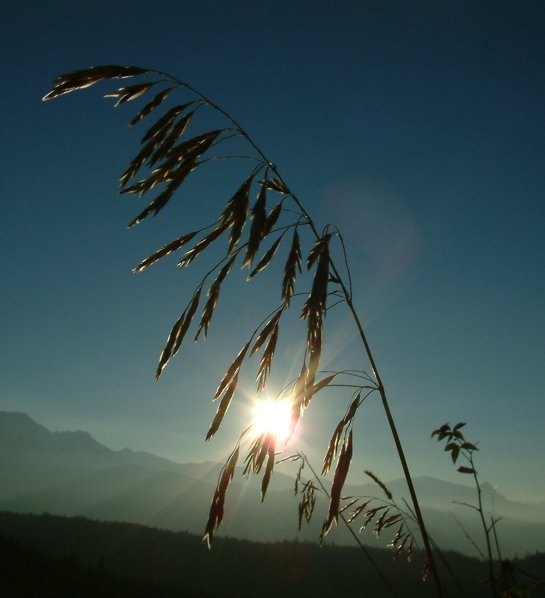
point(417, 128)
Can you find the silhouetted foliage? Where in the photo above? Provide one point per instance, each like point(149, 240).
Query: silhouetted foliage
point(180, 561)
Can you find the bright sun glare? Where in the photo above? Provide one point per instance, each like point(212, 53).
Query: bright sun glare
point(273, 417)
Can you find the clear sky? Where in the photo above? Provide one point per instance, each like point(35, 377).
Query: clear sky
point(417, 127)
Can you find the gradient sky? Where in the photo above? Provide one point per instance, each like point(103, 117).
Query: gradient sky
point(417, 127)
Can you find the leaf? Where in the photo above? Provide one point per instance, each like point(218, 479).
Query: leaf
point(265, 260)
point(463, 469)
point(293, 264)
point(441, 432)
point(454, 453)
point(164, 251)
point(81, 79)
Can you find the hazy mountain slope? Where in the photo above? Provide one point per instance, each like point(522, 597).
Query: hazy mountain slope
point(69, 473)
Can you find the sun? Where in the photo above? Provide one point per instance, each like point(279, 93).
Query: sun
point(273, 417)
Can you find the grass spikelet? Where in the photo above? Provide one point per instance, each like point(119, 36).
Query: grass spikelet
point(215, 515)
point(259, 220)
point(213, 296)
point(84, 78)
point(266, 259)
point(293, 263)
point(150, 106)
point(341, 471)
point(380, 483)
point(164, 251)
point(178, 333)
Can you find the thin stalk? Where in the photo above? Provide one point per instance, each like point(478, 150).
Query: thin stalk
point(470, 539)
point(485, 528)
point(496, 541)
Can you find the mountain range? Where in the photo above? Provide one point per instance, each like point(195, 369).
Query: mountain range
point(70, 473)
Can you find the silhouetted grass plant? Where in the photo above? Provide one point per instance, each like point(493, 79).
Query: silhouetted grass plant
point(253, 236)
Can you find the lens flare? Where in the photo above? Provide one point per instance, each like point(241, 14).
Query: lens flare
point(273, 417)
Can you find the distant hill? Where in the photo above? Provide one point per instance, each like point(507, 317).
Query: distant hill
point(70, 473)
point(65, 554)
point(27, 573)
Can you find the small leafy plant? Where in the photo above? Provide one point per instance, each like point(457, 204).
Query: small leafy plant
point(500, 576)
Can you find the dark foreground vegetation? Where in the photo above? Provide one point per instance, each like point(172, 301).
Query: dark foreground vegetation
point(44, 555)
point(30, 573)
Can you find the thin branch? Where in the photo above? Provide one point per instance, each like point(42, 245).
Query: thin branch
point(466, 534)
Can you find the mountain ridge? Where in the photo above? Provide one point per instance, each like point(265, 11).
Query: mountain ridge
point(70, 473)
